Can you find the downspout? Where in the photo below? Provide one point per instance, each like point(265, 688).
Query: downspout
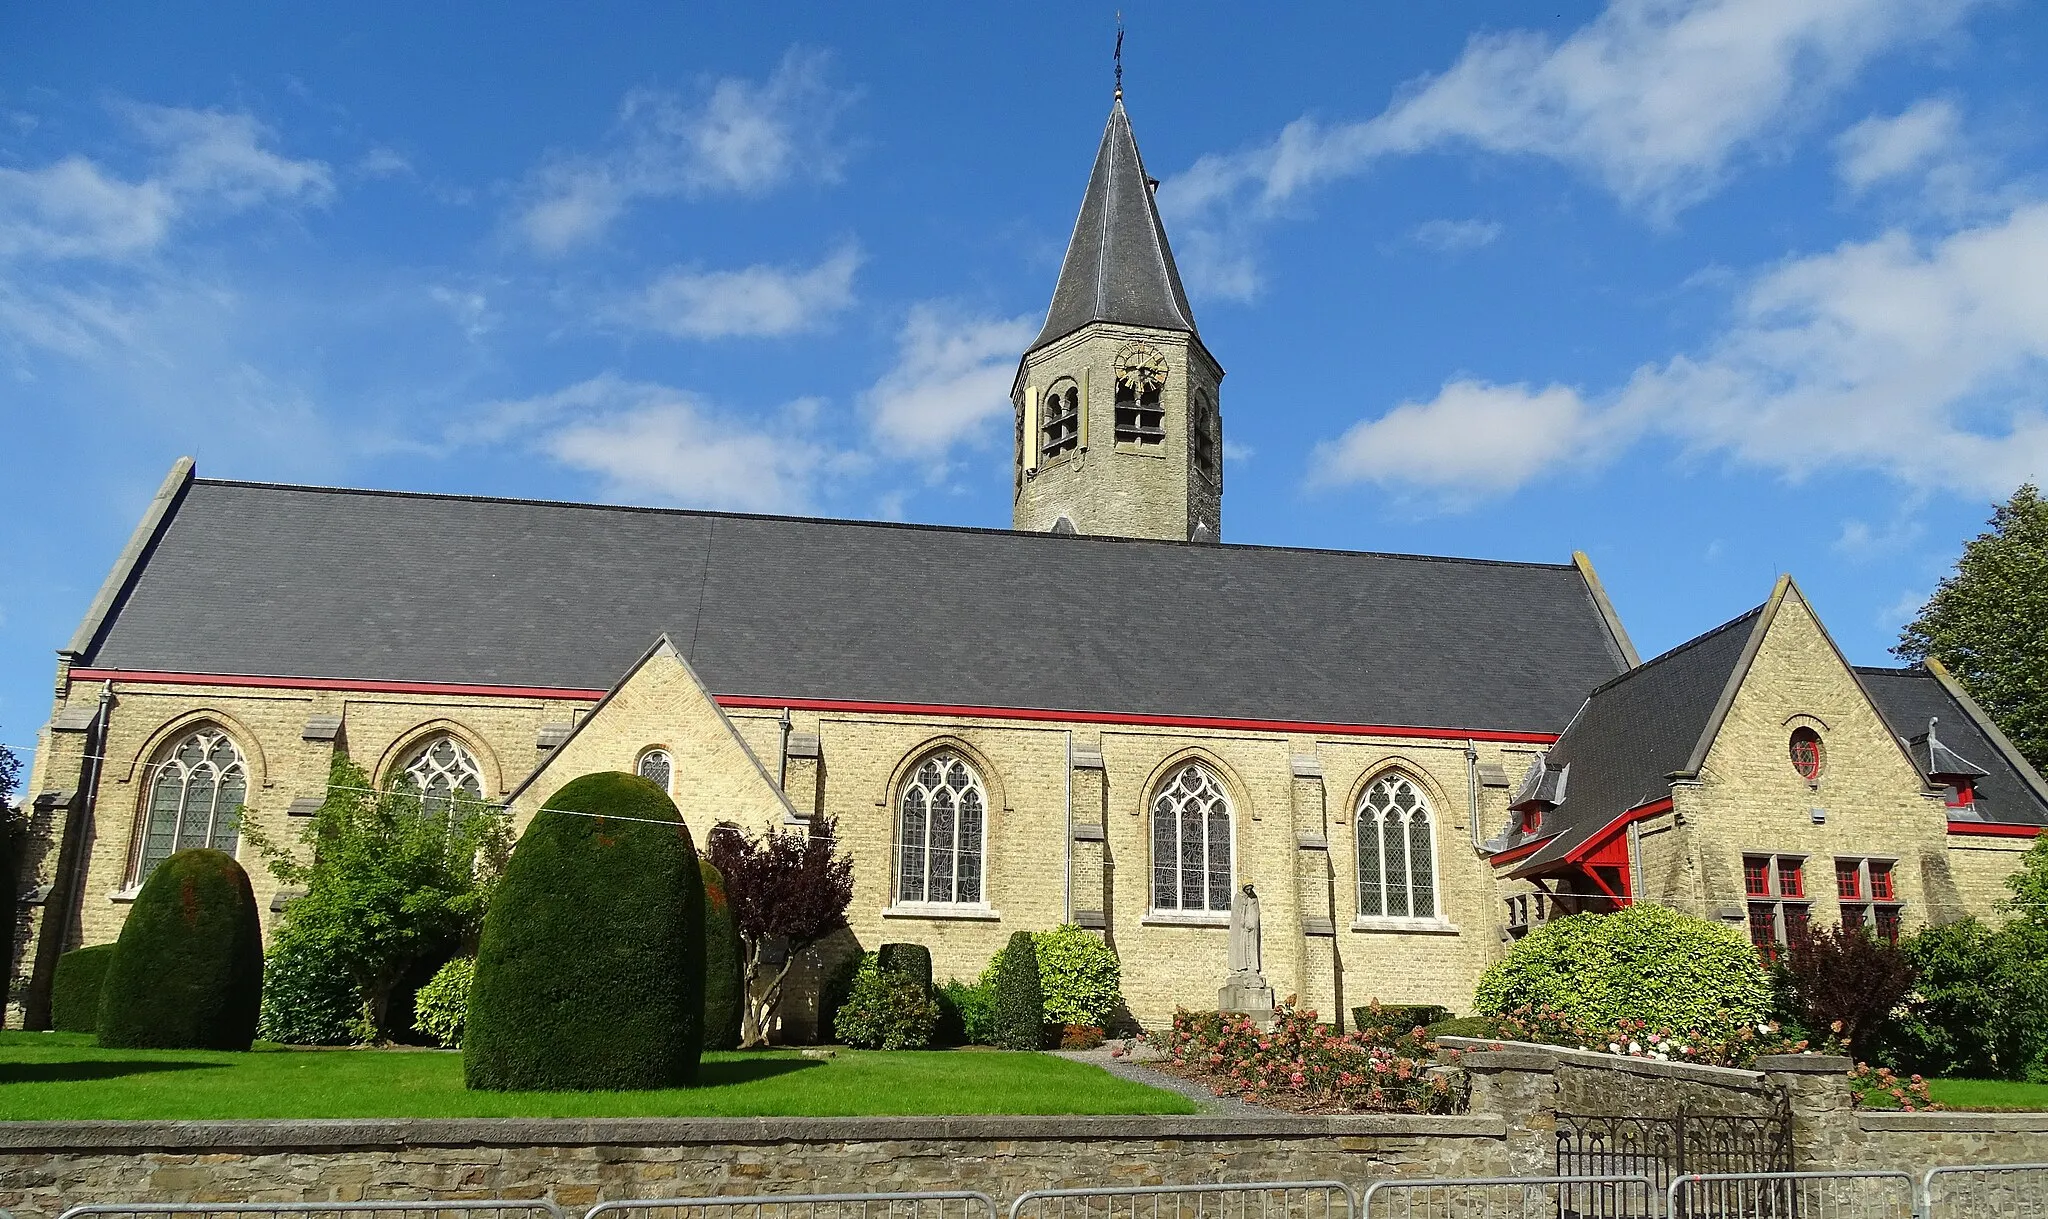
point(1472, 793)
point(1068, 880)
point(782, 760)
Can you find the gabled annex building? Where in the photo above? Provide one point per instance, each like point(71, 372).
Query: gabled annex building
point(1106, 715)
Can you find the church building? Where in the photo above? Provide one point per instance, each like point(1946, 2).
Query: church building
point(1106, 715)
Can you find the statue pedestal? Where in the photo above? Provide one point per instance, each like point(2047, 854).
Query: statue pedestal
point(1246, 994)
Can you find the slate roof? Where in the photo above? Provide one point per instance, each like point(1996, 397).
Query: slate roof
point(1908, 698)
point(1118, 267)
point(1633, 732)
point(251, 578)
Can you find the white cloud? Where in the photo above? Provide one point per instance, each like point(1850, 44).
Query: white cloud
point(1922, 361)
point(754, 301)
point(1655, 99)
point(650, 441)
point(1880, 148)
point(952, 376)
point(203, 161)
point(1471, 441)
point(1450, 236)
point(741, 137)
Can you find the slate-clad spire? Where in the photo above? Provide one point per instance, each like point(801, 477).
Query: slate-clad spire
point(1118, 266)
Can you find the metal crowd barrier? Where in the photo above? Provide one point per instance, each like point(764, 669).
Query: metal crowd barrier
point(1624, 1196)
point(484, 1208)
point(1876, 1194)
point(1222, 1200)
point(1997, 1191)
point(945, 1204)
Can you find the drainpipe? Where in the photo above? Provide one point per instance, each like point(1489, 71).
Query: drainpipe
point(782, 758)
point(1068, 881)
point(1472, 793)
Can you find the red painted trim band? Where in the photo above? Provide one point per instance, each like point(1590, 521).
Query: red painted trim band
point(827, 704)
point(1986, 829)
point(1521, 852)
point(1594, 841)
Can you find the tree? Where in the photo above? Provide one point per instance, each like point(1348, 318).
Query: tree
point(1988, 623)
point(390, 880)
point(13, 837)
point(789, 889)
point(1847, 980)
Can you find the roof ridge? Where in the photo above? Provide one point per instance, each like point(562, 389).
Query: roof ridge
point(1687, 646)
point(857, 522)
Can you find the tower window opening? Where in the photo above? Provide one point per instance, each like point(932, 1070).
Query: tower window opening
point(1140, 415)
point(1202, 435)
point(1060, 431)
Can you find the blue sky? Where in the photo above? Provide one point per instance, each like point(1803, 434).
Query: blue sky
point(1709, 290)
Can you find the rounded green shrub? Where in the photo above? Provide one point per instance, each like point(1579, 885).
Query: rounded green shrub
point(1080, 976)
point(724, 967)
point(912, 960)
point(590, 969)
point(1019, 1001)
point(309, 995)
point(188, 972)
point(441, 1007)
point(75, 991)
point(1681, 974)
point(967, 1013)
point(886, 1010)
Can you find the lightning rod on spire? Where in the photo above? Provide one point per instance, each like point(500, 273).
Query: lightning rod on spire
point(1119, 57)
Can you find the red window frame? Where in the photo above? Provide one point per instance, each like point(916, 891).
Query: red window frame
point(1807, 754)
point(1532, 820)
point(1763, 928)
point(1888, 922)
point(1791, 878)
point(1881, 887)
point(1849, 881)
point(1756, 876)
point(1962, 795)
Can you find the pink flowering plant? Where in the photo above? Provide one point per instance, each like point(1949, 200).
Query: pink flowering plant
point(1879, 1088)
point(1731, 1044)
point(1303, 1065)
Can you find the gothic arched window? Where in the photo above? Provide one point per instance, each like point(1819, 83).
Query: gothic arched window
point(943, 816)
point(1191, 842)
point(439, 768)
point(196, 786)
point(1059, 428)
point(657, 768)
point(1396, 850)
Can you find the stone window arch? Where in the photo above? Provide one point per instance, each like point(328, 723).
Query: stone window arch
point(1059, 416)
point(1396, 849)
point(1192, 839)
point(198, 783)
point(941, 832)
point(439, 768)
point(657, 767)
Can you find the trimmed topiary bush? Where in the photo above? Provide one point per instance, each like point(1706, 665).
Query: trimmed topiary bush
point(1079, 974)
point(911, 960)
point(590, 970)
point(724, 969)
point(886, 1010)
point(75, 991)
point(1019, 1001)
point(309, 993)
point(1681, 974)
point(441, 1007)
point(188, 972)
point(967, 1013)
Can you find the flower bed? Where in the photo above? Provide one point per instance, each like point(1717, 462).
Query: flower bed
point(1306, 1067)
point(1734, 1046)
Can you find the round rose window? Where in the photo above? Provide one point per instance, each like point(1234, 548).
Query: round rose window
point(1806, 753)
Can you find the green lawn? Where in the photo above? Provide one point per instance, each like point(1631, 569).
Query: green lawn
point(63, 1075)
point(1988, 1094)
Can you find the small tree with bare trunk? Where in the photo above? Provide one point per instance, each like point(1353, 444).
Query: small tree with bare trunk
point(789, 889)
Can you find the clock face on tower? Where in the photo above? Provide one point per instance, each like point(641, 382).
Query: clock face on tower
point(1141, 371)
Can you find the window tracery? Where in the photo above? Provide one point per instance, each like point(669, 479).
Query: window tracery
point(1191, 842)
point(439, 768)
point(657, 768)
point(195, 789)
point(1396, 850)
point(940, 826)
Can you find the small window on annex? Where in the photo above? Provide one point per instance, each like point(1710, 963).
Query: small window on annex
point(942, 818)
point(196, 787)
point(1059, 428)
point(440, 767)
point(1396, 850)
point(656, 768)
point(1191, 842)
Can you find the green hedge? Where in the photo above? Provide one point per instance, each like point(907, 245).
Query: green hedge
point(914, 961)
point(440, 1009)
point(1682, 974)
point(590, 969)
point(967, 1013)
point(1019, 1000)
point(1400, 1017)
point(75, 991)
point(886, 1010)
point(309, 996)
point(724, 966)
point(1080, 976)
point(188, 973)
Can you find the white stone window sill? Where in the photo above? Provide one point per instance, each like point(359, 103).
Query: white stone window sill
point(1406, 926)
point(970, 914)
point(1186, 918)
point(124, 895)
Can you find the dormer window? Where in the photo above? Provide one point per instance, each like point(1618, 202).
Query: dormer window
point(1962, 794)
point(1059, 430)
point(1532, 819)
point(1140, 379)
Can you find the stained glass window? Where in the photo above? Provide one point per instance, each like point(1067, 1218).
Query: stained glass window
point(1396, 850)
point(440, 768)
point(656, 768)
point(198, 785)
point(1191, 842)
point(939, 832)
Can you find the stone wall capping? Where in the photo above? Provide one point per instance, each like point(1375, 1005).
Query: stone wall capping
point(1474, 1048)
point(1805, 1064)
point(1093, 920)
point(63, 1137)
point(551, 735)
point(75, 719)
point(304, 806)
point(1085, 831)
point(1089, 759)
point(1879, 1121)
point(1493, 774)
point(1306, 766)
point(804, 745)
point(1313, 925)
point(1312, 842)
point(321, 728)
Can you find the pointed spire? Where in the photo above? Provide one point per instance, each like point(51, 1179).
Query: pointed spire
point(1119, 267)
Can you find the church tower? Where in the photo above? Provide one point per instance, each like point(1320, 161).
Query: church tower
point(1118, 423)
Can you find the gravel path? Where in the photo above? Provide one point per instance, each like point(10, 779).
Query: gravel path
point(1140, 1073)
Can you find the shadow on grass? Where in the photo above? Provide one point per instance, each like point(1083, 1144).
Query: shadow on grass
point(80, 1072)
point(732, 1074)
